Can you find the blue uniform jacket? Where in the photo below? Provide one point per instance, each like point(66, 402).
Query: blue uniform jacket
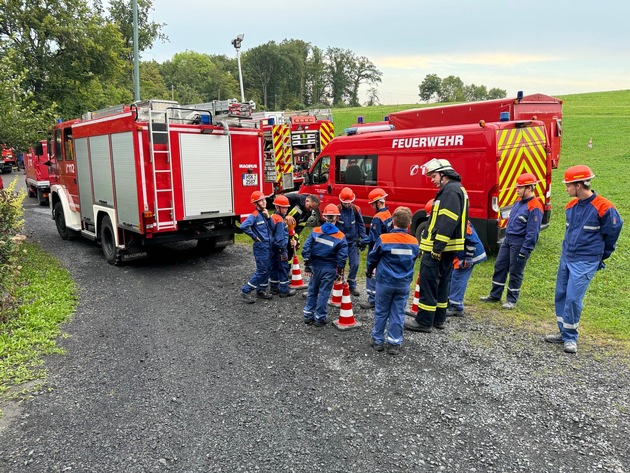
point(473, 251)
point(280, 233)
point(381, 223)
point(351, 224)
point(593, 227)
point(326, 246)
point(524, 222)
point(257, 227)
point(393, 257)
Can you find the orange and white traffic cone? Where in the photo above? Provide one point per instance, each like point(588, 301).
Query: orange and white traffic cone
point(296, 275)
point(416, 300)
point(346, 320)
point(337, 292)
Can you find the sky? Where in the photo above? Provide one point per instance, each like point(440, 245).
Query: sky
point(554, 47)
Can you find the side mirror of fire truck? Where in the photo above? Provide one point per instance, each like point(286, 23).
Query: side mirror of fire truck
point(307, 178)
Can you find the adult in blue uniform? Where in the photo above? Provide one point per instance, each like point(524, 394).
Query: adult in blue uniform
point(521, 235)
point(592, 229)
point(257, 226)
point(325, 253)
point(393, 257)
point(352, 226)
point(381, 223)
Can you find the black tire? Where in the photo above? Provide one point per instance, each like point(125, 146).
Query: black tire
point(30, 190)
point(42, 200)
point(108, 241)
point(420, 229)
point(60, 220)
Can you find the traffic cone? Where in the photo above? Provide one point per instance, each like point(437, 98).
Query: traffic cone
point(337, 292)
point(346, 320)
point(416, 300)
point(296, 276)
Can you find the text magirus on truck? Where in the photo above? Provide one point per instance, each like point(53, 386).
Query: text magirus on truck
point(134, 176)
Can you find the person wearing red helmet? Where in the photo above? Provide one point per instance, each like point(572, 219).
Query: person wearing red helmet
point(279, 271)
point(257, 226)
point(441, 241)
point(325, 253)
point(381, 223)
point(351, 223)
point(521, 235)
point(593, 226)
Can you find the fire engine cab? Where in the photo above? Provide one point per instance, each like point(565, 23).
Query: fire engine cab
point(488, 156)
point(133, 176)
point(36, 173)
point(8, 159)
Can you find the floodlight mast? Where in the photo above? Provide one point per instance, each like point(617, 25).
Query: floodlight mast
point(236, 42)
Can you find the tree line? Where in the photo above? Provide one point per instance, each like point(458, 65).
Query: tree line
point(453, 89)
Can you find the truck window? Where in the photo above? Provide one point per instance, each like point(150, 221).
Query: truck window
point(320, 170)
point(68, 145)
point(356, 170)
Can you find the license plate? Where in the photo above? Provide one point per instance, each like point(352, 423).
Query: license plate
point(250, 180)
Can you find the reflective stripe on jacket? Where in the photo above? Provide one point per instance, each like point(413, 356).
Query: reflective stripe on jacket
point(447, 224)
point(394, 256)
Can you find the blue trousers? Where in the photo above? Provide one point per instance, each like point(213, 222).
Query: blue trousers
point(353, 261)
point(459, 282)
point(571, 285)
point(260, 279)
point(390, 306)
point(506, 264)
point(319, 289)
point(279, 274)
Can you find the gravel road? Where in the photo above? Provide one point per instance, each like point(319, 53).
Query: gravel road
point(167, 370)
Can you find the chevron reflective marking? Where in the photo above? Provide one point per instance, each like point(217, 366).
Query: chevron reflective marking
point(326, 133)
point(521, 150)
point(288, 155)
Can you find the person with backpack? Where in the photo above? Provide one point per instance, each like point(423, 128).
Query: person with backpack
point(351, 224)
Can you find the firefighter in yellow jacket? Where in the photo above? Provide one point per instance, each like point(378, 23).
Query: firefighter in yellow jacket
point(440, 243)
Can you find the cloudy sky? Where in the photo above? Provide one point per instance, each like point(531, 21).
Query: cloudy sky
point(554, 46)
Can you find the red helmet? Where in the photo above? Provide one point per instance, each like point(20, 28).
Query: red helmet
point(281, 201)
point(527, 179)
point(346, 196)
point(256, 196)
point(331, 209)
point(428, 207)
point(376, 194)
point(578, 173)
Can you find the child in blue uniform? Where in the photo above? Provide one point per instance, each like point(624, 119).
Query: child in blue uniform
point(325, 252)
point(393, 257)
point(351, 224)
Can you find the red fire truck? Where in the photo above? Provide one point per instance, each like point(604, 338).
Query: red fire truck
point(488, 156)
point(531, 107)
point(292, 140)
point(36, 169)
point(8, 159)
point(153, 172)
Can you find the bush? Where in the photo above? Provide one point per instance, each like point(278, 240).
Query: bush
point(11, 238)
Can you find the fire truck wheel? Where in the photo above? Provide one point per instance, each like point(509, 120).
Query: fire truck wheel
point(420, 230)
point(30, 191)
point(60, 220)
point(42, 200)
point(108, 241)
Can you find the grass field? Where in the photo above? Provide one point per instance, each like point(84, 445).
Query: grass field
point(604, 117)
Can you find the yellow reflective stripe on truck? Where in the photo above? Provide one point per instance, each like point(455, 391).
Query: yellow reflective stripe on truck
point(520, 150)
point(326, 133)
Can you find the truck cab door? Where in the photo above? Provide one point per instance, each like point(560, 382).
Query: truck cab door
point(319, 175)
point(64, 154)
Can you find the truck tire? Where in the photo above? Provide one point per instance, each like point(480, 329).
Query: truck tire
point(42, 200)
point(420, 229)
point(30, 190)
point(60, 220)
point(108, 242)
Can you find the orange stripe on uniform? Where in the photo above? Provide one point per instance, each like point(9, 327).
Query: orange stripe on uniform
point(398, 238)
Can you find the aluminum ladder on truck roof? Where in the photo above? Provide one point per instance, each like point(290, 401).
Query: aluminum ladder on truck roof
point(159, 134)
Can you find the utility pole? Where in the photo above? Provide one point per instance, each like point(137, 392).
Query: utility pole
point(136, 62)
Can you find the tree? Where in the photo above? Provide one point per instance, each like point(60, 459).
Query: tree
point(496, 93)
point(265, 68)
point(361, 70)
point(372, 97)
point(316, 80)
point(474, 93)
point(338, 64)
point(452, 89)
point(431, 88)
point(152, 85)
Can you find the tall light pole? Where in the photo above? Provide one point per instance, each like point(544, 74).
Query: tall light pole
point(236, 42)
point(136, 63)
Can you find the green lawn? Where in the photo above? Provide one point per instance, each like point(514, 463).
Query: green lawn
point(604, 117)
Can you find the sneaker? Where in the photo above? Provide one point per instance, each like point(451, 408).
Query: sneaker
point(454, 313)
point(308, 321)
point(249, 297)
point(570, 347)
point(489, 299)
point(263, 295)
point(304, 294)
point(440, 326)
point(393, 349)
point(414, 326)
point(355, 292)
point(554, 338)
point(274, 291)
point(509, 305)
point(291, 292)
point(377, 346)
point(367, 305)
point(320, 323)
